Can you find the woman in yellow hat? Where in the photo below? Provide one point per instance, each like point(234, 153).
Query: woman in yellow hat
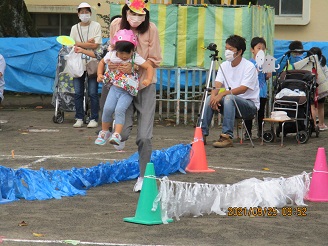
point(135, 17)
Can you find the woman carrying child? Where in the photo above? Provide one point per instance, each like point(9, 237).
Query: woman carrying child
point(124, 85)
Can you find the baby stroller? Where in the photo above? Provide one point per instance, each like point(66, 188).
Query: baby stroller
point(294, 90)
point(63, 96)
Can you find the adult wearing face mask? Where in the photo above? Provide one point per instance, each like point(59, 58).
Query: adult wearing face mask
point(135, 17)
point(239, 78)
point(87, 35)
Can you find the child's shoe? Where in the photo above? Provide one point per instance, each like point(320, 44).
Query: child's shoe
point(115, 139)
point(102, 137)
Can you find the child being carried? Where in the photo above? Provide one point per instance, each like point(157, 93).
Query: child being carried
point(123, 85)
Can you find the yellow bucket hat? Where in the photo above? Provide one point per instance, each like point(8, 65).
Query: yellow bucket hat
point(138, 6)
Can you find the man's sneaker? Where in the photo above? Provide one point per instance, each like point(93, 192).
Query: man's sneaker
point(102, 137)
point(115, 139)
point(92, 124)
point(224, 141)
point(78, 123)
point(137, 187)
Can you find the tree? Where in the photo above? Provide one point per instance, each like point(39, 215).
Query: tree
point(15, 21)
point(106, 19)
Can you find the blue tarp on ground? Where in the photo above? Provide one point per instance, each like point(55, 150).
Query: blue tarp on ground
point(31, 62)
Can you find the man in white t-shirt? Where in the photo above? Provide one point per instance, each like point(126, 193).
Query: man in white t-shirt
point(240, 79)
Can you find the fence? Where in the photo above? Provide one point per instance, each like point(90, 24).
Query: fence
point(180, 91)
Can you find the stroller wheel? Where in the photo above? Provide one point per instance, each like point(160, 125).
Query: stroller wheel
point(59, 118)
point(268, 136)
point(302, 137)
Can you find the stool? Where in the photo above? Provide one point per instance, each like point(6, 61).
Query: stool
point(271, 136)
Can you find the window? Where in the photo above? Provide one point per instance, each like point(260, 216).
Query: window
point(290, 12)
point(53, 24)
point(54, 20)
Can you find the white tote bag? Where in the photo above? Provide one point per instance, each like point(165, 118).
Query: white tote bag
point(74, 65)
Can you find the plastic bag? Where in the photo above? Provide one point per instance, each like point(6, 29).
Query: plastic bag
point(74, 65)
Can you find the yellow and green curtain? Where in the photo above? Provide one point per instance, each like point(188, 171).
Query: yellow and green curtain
point(186, 29)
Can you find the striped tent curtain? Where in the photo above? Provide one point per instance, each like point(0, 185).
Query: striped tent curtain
point(185, 30)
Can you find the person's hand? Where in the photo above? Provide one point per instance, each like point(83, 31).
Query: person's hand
point(215, 101)
point(78, 49)
point(112, 66)
point(100, 78)
point(125, 67)
point(91, 40)
point(146, 82)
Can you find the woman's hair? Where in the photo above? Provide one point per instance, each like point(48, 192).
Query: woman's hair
point(323, 61)
point(89, 9)
point(237, 42)
point(316, 51)
point(114, 17)
point(142, 28)
point(124, 46)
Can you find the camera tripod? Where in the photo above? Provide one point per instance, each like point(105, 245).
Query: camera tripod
point(214, 57)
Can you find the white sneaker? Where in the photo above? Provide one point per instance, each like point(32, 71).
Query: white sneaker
point(120, 146)
point(92, 124)
point(78, 123)
point(137, 187)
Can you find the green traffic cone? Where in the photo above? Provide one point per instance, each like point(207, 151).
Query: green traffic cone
point(144, 214)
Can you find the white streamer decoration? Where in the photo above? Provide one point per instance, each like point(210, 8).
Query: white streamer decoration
point(181, 199)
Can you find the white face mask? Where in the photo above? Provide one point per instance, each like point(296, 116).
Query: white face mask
point(135, 20)
point(229, 55)
point(85, 18)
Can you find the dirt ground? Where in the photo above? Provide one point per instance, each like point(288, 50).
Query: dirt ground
point(97, 218)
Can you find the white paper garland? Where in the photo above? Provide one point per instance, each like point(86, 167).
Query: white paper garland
point(181, 198)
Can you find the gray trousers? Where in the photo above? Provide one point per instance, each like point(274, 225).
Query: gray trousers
point(144, 104)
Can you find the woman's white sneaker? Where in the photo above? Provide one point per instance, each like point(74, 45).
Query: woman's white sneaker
point(78, 123)
point(138, 186)
point(92, 124)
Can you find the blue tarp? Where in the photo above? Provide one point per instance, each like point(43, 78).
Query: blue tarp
point(31, 62)
point(47, 184)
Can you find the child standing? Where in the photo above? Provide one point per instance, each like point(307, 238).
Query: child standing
point(123, 86)
point(319, 112)
point(258, 44)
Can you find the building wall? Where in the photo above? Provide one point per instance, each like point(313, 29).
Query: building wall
point(314, 31)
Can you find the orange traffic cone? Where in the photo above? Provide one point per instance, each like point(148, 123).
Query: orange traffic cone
point(318, 191)
point(198, 161)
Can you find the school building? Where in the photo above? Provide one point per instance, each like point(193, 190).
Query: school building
point(297, 19)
